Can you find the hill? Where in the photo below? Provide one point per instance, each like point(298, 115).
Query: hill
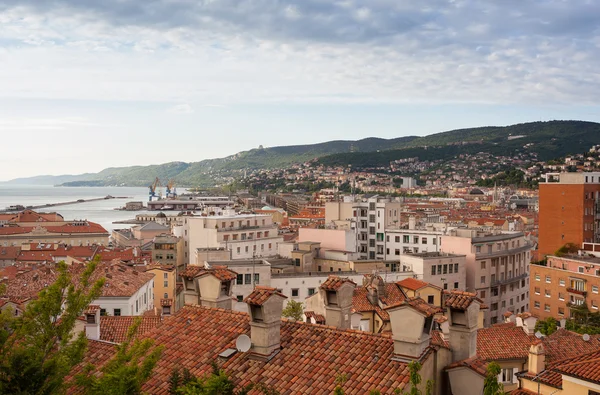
point(548, 139)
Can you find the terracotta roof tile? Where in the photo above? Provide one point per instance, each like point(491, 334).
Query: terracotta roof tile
point(476, 364)
point(420, 305)
point(361, 304)
point(261, 294)
point(114, 329)
point(310, 358)
point(414, 284)
point(503, 341)
point(319, 319)
point(460, 300)
point(333, 283)
point(585, 367)
point(220, 272)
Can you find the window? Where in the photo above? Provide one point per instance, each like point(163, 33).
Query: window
point(456, 268)
point(483, 264)
point(483, 279)
point(240, 279)
point(537, 277)
point(102, 312)
point(165, 284)
point(397, 239)
point(166, 276)
point(247, 278)
point(430, 299)
point(594, 305)
point(166, 296)
point(445, 269)
point(297, 261)
point(482, 293)
point(450, 267)
point(507, 375)
point(494, 307)
point(580, 269)
point(406, 239)
point(546, 307)
point(136, 306)
point(238, 250)
point(561, 296)
point(595, 289)
point(477, 248)
point(456, 285)
point(311, 291)
point(117, 312)
point(536, 304)
point(445, 286)
point(547, 292)
point(433, 270)
point(295, 292)
point(416, 239)
point(240, 298)
point(548, 280)
point(561, 282)
point(439, 269)
point(424, 240)
point(397, 252)
point(537, 290)
point(256, 278)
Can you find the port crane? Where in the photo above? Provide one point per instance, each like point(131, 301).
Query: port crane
point(171, 189)
point(152, 189)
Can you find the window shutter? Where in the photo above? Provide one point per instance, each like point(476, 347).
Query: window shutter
point(500, 377)
point(515, 379)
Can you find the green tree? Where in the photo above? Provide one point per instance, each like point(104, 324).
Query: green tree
point(215, 383)
point(340, 380)
point(127, 371)
point(293, 310)
point(547, 326)
point(38, 349)
point(415, 380)
point(491, 386)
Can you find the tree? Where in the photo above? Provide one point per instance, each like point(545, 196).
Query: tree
point(127, 371)
point(491, 386)
point(293, 310)
point(415, 380)
point(38, 349)
point(215, 383)
point(546, 327)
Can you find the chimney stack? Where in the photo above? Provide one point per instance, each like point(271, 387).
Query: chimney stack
point(215, 286)
point(463, 313)
point(537, 357)
point(265, 306)
point(337, 294)
point(92, 323)
point(411, 321)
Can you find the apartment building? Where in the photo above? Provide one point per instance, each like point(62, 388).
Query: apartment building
point(369, 218)
point(446, 271)
point(565, 282)
point(569, 203)
point(164, 293)
point(411, 241)
point(244, 236)
point(168, 250)
point(497, 268)
point(32, 227)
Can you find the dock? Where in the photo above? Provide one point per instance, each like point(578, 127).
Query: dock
point(17, 208)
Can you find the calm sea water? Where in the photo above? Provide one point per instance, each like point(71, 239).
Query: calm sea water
point(101, 211)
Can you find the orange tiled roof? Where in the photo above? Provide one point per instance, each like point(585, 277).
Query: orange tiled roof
point(438, 340)
point(310, 358)
point(476, 364)
point(114, 329)
point(414, 284)
point(361, 304)
point(9, 253)
point(220, 272)
point(319, 319)
point(585, 367)
point(421, 306)
point(460, 300)
point(261, 294)
point(503, 341)
point(91, 309)
point(333, 283)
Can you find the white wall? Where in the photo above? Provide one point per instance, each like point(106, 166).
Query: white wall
point(127, 304)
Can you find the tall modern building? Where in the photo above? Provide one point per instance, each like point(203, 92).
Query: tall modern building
point(369, 218)
point(569, 210)
point(497, 268)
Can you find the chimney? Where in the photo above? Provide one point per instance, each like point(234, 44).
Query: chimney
point(92, 322)
point(411, 322)
point(463, 313)
point(337, 294)
point(527, 322)
point(265, 306)
point(214, 287)
point(537, 357)
point(444, 326)
point(509, 317)
point(372, 295)
point(412, 223)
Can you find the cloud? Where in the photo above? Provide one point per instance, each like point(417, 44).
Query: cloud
point(181, 109)
point(229, 51)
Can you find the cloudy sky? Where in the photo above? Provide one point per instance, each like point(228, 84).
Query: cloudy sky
point(89, 84)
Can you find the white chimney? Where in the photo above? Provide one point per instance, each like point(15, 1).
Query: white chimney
point(265, 306)
point(92, 323)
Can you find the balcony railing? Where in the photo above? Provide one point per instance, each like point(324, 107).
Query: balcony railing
point(510, 280)
point(511, 251)
point(577, 292)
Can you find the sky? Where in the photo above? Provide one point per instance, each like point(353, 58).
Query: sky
point(86, 85)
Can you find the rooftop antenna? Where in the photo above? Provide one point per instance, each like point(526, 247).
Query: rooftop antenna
point(243, 343)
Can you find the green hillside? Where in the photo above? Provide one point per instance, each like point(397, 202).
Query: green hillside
point(548, 139)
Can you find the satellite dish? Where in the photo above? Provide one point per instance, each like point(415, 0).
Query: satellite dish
point(586, 337)
point(538, 334)
point(243, 343)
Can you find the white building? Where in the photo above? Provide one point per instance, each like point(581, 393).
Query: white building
point(245, 236)
point(369, 218)
point(447, 271)
point(410, 241)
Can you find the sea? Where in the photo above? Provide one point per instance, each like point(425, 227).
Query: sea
point(101, 211)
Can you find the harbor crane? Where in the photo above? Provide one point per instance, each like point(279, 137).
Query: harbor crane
point(152, 189)
point(171, 189)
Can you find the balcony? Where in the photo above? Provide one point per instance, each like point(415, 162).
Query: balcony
point(510, 280)
point(577, 292)
point(512, 251)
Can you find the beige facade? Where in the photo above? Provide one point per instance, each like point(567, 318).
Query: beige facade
point(447, 271)
point(497, 268)
point(164, 293)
